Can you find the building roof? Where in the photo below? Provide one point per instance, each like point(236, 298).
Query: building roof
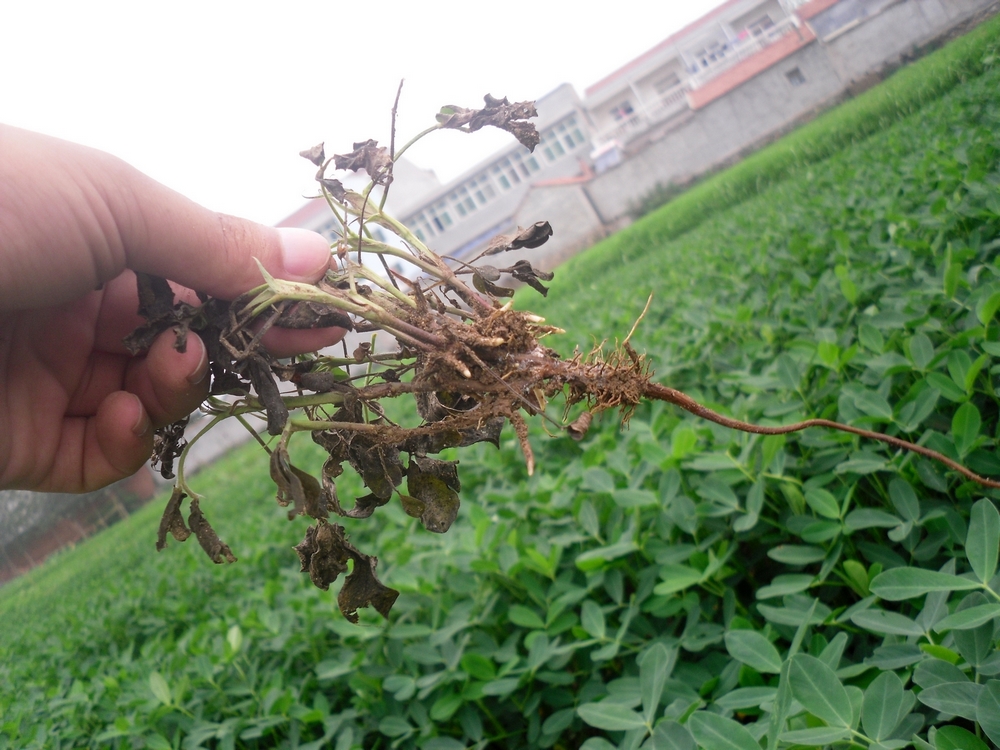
point(658, 49)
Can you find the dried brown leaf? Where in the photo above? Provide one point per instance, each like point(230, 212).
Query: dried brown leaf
point(215, 548)
point(296, 486)
point(534, 236)
point(363, 588)
point(435, 485)
point(316, 154)
point(308, 315)
point(370, 157)
point(168, 444)
point(498, 113)
point(172, 521)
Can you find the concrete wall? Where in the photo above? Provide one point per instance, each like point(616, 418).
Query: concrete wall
point(768, 103)
point(762, 106)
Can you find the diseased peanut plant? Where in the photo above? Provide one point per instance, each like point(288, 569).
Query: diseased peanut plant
point(469, 362)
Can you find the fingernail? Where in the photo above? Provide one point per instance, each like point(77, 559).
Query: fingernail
point(142, 424)
point(199, 372)
point(305, 254)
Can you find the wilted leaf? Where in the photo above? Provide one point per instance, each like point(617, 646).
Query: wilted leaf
point(168, 444)
point(499, 113)
point(522, 271)
point(488, 287)
point(215, 548)
point(259, 372)
point(370, 157)
point(363, 588)
point(534, 236)
point(172, 521)
point(316, 154)
point(308, 315)
point(296, 486)
point(435, 485)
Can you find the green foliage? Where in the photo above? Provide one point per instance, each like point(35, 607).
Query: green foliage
point(675, 585)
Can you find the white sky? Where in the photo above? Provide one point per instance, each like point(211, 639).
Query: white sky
point(216, 98)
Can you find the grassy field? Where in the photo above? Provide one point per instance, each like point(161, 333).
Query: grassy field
point(671, 586)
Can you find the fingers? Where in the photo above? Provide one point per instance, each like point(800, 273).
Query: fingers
point(104, 448)
point(169, 383)
point(166, 234)
point(73, 218)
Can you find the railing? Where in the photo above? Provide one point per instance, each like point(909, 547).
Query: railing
point(647, 114)
point(740, 49)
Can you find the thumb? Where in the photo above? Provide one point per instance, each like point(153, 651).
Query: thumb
point(166, 234)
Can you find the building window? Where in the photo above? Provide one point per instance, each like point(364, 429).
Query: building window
point(666, 84)
point(795, 77)
point(758, 27)
point(623, 111)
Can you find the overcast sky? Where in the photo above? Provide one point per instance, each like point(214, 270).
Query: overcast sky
point(217, 98)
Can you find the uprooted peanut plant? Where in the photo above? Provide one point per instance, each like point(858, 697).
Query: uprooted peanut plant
point(467, 359)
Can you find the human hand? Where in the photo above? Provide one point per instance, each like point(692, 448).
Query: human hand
point(77, 411)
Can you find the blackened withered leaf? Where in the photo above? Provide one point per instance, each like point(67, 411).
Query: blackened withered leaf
point(490, 273)
point(267, 391)
point(522, 271)
point(172, 521)
point(488, 287)
point(316, 154)
point(323, 554)
point(331, 470)
point(435, 484)
point(499, 113)
point(296, 486)
point(308, 315)
point(362, 588)
point(370, 157)
point(437, 441)
point(379, 465)
point(215, 548)
point(365, 506)
point(534, 236)
point(335, 187)
point(156, 305)
point(168, 444)
point(319, 382)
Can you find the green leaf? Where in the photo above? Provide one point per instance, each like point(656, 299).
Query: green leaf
point(904, 500)
point(653, 673)
point(785, 585)
point(634, 498)
point(816, 737)
point(714, 732)
point(921, 351)
point(881, 710)
point(796, 554)
point(965, 427)
point(160, 688)
point(669, 735)
point(394, 726)
point(596, 558)
point(872, 404)
point(908, 583)
point(887, 623)
point(817, 688)
point(445, 707)
point(970, 618)
point(478, 666)
point(988, 710)
point(676, 578)
point(612, 717)
point(958, 698)
point(847, 287)
point(824, 503)
point(597, 479)
point(956, 738)
point(526, 618)
point(871, 338)
point(983, 538)
point(754, 650)
point(912, 415)
point(501, 687)
point(751, 697)
point(987, 307)
point(974, 644)
point(157, 742)
point(861, 462)
point(866, 518)
point(947, 387)
point(592, 619)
